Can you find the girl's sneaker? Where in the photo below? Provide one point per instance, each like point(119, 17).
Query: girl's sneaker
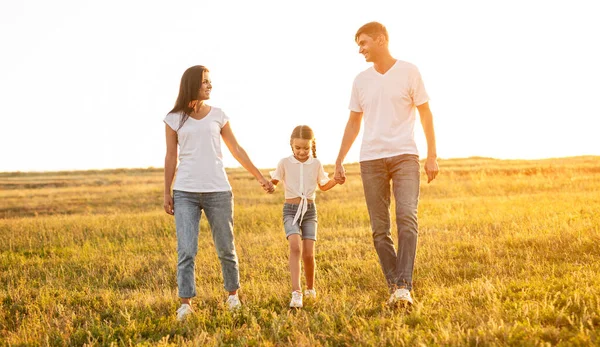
point(233, 302)
point(310, 294)
point(183, 311)
point(296, 299)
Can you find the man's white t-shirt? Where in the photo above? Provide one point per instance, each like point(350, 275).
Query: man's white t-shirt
point(200, 166)
point(388, 103)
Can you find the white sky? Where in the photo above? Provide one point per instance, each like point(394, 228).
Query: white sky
point(85, 85)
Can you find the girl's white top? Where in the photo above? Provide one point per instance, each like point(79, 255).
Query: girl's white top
point(300, 180)
point(200, 166)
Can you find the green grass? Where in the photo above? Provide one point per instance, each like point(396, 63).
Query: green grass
point(508, 255)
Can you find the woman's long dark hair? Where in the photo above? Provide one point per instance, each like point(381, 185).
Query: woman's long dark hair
point(191, 81)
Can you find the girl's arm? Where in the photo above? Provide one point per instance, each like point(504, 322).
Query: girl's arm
point(242, 157)
point(328, 185)
point(274, 182)
point(170, 166)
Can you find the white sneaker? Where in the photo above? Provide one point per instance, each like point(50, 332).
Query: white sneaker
point(310, 294)
point(183, 311)
point(401, 295)
point(233, 302)
point(296, 299)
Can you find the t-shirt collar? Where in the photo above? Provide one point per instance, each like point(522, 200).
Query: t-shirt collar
point(296, 161)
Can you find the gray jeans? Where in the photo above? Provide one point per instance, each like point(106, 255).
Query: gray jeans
point(218, 207)
point(404, 173)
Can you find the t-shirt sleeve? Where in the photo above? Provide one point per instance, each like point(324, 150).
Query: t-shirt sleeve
point(172, 120)
point(279, 172)
point(417, 90)
point(322, 176)
point(354, 99)
point(223, 119)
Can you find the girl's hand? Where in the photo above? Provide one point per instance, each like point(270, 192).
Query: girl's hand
point(168, 204)
point(267, 185)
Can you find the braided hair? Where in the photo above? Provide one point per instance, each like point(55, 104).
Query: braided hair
point(304, 132)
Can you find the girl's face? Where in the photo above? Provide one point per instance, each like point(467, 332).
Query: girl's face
point(301, 149)
point(205, 87)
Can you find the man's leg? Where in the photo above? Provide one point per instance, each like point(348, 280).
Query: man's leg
point(405, 172)
point(376, 185)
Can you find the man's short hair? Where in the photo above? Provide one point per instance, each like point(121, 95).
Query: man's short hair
point(373, 29)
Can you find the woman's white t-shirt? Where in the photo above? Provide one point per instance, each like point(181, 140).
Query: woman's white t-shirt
point(200, 166)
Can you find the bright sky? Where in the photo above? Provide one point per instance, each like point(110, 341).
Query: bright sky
point(86, 84)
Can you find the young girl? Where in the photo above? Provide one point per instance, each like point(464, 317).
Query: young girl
point(301, 173)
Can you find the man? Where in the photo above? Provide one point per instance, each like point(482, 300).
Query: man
point(386, 96)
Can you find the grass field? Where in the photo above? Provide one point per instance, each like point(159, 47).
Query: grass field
point(508, 254)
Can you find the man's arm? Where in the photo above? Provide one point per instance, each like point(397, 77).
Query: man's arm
point(431, 165)
point(352, 130)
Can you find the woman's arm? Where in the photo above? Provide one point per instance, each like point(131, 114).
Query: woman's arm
point(242, 157)
point(170, 166)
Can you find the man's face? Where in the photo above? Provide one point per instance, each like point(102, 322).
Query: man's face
point(368, 47)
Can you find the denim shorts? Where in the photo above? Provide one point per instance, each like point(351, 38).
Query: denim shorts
point(307, 229)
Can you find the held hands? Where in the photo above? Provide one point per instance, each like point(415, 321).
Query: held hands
point(168, 204)
point(431, 168)
point(340, 174)
point(266, 185)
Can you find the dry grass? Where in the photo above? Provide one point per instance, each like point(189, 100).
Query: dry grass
point(508, 254)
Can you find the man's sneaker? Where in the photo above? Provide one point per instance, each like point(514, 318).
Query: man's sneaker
point(296, 299)
point(401, 295)
point(183, 311)
point(233, 302)
point(310, 294)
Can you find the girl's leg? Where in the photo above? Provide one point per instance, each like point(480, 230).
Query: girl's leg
point(309, 234)
point(308, 257)
point(295, 252)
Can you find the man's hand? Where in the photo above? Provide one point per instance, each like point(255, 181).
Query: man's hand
point(431, 169)
point(340, 174)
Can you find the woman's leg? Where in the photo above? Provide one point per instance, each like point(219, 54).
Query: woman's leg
point(218, 207)
point(187, 220)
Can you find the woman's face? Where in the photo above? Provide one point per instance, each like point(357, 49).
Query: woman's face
point(301, 149)
point(205, 87)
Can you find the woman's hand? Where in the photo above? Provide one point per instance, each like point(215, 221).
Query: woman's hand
point(168, 204)
point(266, 185)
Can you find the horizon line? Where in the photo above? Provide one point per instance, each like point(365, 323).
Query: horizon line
point(5, 173)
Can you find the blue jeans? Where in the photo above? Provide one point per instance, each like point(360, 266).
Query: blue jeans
point(404, 173)
point(218, 207)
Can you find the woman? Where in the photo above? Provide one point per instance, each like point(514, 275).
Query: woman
point(201, 183)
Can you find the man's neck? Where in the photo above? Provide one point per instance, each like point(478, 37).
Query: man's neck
point(384, 64)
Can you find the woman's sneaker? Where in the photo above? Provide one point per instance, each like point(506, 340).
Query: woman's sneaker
point(402, 296)
point(233, 302)
point(183, 311)
point(296, 299)
point(310, 294)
